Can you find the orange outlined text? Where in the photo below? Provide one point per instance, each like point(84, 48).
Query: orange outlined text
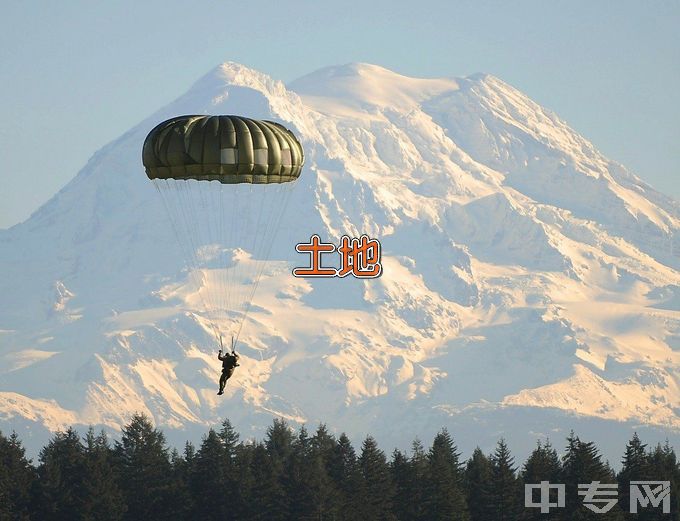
point(359, 257)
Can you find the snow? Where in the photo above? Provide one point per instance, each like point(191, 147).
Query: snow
point(522, 271)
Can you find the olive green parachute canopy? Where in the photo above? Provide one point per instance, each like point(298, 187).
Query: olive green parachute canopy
point(228, 149)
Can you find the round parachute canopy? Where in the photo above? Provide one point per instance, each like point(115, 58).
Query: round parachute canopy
point(225, 183)
point(228, 149)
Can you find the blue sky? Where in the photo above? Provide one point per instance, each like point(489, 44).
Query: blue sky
point(75, 75)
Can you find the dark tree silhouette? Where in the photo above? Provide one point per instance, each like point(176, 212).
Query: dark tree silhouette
point(141, 457)
point(211, 480)
point(504, 491)
point(103, 498)
point(343, 470)
point(445, 498)
point(377, 491)
point(17, 478)
point(294, 476)
point(542, 465)
point(663, 466)
point(478, 478)
point(582, 464)
point(62, 470)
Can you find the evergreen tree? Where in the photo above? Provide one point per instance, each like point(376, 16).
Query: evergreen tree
point(505, 494)
point(418, 488)
point(297, 479)
point(61, 477)
point(268, 501)
point(635, 467)
point(230, 440)
point(478, 477)
point(322, 451)
point(663, 466)
point(582, 464)
point(17, 478)
point(308, 485)
point(244, 501)
point(542, 465)
point(210, 480)
point(279, 441)
point(144, 471)
point(103, 498)
point(377, 491)
point(400, 468)
point(445, 498)
point(180, 483)
point(343, 469)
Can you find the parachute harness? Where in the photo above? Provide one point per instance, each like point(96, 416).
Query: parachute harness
point(233, 344)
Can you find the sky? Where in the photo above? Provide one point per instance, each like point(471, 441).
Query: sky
point(75, 75)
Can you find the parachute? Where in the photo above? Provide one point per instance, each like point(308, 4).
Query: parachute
point(225, 182)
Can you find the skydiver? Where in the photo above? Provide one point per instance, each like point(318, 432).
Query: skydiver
point(229, 363)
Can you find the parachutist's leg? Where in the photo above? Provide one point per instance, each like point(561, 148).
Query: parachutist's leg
point(223, 381)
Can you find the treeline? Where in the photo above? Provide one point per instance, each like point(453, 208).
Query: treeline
point(302, 476)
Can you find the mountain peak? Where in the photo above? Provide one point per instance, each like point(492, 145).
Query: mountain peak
point(514, 255)
point(365, 86)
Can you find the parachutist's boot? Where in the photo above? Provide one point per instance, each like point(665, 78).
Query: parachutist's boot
point(221, 391)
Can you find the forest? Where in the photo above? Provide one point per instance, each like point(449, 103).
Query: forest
point(299, 475)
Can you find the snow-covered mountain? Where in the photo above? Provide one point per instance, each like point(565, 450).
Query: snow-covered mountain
point(530, 285)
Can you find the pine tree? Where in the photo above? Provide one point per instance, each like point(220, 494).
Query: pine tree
point(328, 495)
point(582, 464)
point(230, 440)
point(297, 478)
point(244, 502)
point(445, 498)
point(141, 457)
point(268, 501)
point(505, 493)
point(315, 496)
point(377, 491)
point(343, 470)
point(103, 498)
point(180, 483)
point(61, 477)
point(279, 441)
point(478, 477)
point(663, 466)
point(635, 467)
point(400, 469)
point(418, 487)
point(210, 481)
point(542, 465)
point(17, 478)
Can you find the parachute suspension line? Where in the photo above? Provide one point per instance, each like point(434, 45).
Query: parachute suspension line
point(207, 239)
point(202, 214)
point(287, 189)
point(233, 267)
point(192, 227)
point(253, 240)
point(222, 246)
point(265, 245)
point(216, 192)
point(163, 188)
point(194, 191)
point(256, 260)
point(198, 218)
point(212, 238)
